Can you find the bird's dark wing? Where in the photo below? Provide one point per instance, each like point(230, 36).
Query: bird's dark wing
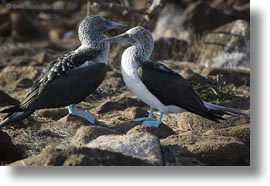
point(64, 64)
point(171, 88)
point(59, 68)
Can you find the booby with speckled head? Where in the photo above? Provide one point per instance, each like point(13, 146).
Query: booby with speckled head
point(157, 85)
point(72, 77)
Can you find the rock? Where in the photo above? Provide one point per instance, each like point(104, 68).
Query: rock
point(193, 77)
point(163, 131)
point(12, 75)
point(9, 152)
point(240, 132)
point(107, 106)
point(225, 4)
point(125, 126)
point(56, 34)
point(188, 121)
point(119, 103)
point(227, 46)
point(20, 61)
point(5, 23)
point(85, 134)
point(73, 156)
point(176, 22)
point(173, 155)
point(10, 49)
point(237, 77)
point(115, 56)
point(144, 146)
point(171, 49)
point(54, 114)
point(170, 22)
point(200, 17)
point(212, 150)
point(23, 27)
point(134, 112)
point(5, 99)
point(25, 83)
point(73, 119)
point(240, 8)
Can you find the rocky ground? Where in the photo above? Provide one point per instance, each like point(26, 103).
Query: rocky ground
point(207, 43)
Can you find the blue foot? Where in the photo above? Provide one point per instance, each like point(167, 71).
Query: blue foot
point(81, 113)
point(151, 123)
point(154, 123)
point(143, 119)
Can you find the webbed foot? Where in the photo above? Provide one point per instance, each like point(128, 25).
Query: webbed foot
point(81, 113)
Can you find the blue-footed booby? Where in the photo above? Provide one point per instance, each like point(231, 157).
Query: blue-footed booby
point(157, 85)
point(72, 77)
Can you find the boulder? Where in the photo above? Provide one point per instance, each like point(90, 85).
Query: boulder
point(189, 121)
point(171, 49)
point(124, 127)
point(200, 17)
point(240, 132)
point(12, 76)
point(23, 27)
point(227, 46)
point(118, 103)
point(85, 134)
point(9, 152)
point(74, 156)
point(5, 23)
point(134, 112)
point(169, 22)
point(210, 149)
point(54, 114)
point(237, 77)
point(163, 131)
point(144, 146)
point(176, 22)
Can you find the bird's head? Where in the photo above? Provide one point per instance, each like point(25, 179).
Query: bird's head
point(93, 25)
point(135, 36)
point(139, 37)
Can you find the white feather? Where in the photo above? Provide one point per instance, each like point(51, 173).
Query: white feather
point(132, 80)
point(222, 108)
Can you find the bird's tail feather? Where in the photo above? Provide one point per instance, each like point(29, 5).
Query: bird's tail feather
point(221, 110)
point(214, 116)
point(14, 117)
point(12, 109)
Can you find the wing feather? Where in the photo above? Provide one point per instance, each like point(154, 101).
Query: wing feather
point(57, 68)
point(172, 89)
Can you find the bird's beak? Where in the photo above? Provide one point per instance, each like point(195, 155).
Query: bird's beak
point(113, 25)
point(120, 37)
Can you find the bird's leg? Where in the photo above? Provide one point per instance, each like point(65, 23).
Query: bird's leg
point(149, 118)
point(154, 123)
point(81, 113)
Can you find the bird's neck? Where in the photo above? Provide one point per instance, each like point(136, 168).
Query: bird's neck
point(138, 53)
point(92, 40)
point(132, 56)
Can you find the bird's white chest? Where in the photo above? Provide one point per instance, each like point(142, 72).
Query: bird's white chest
point(103, 57)
point(131, 78)
point(130, 75)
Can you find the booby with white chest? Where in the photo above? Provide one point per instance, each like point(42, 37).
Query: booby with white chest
point(72, 77)
point(157, 85)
